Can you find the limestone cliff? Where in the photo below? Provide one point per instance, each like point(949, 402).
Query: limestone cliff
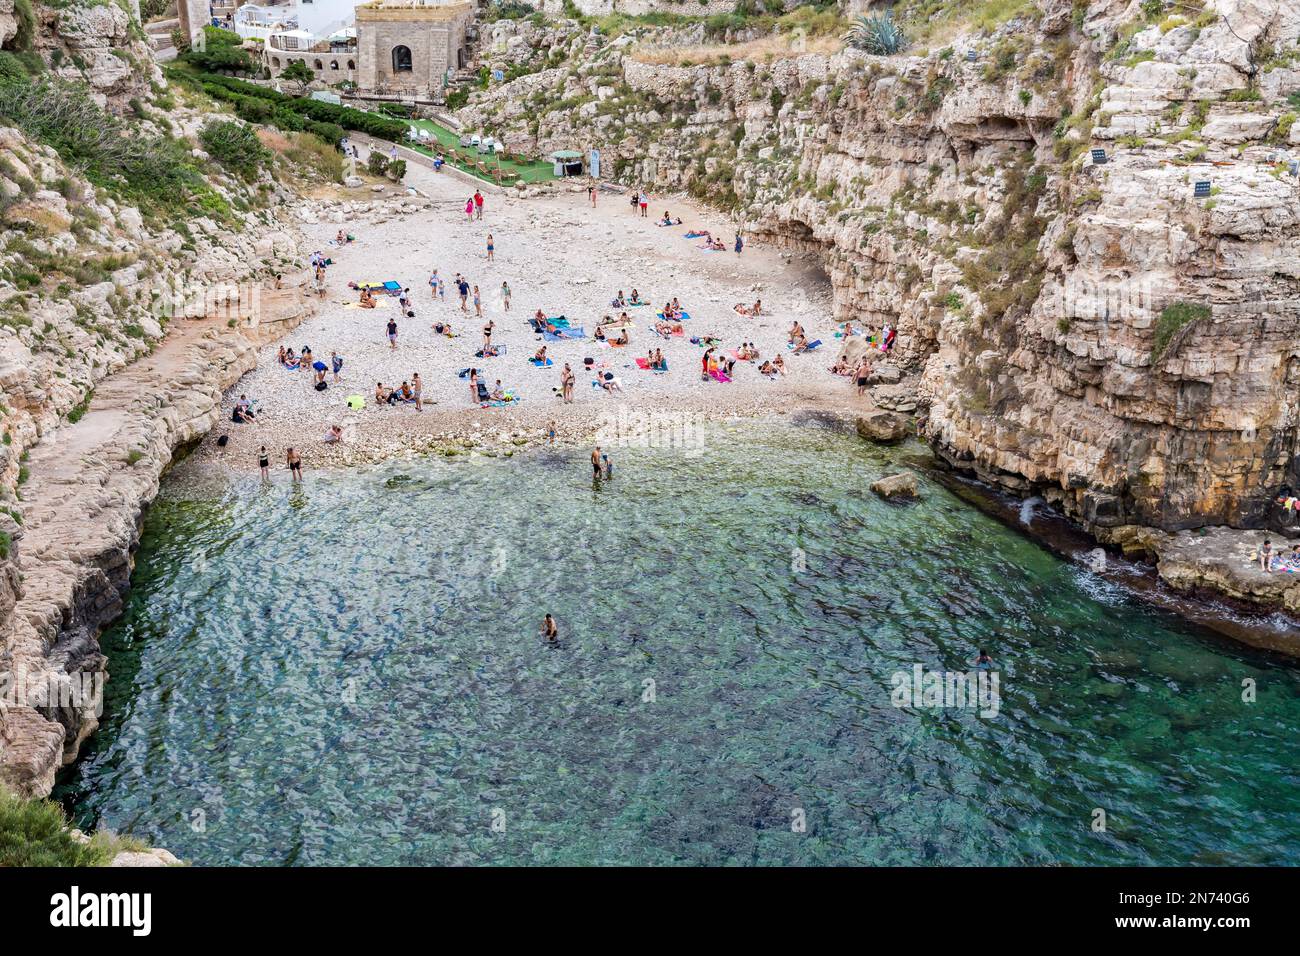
point(1088, 330)
point(121, 242)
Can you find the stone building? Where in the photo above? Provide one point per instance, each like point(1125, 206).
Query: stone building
point(408, 46)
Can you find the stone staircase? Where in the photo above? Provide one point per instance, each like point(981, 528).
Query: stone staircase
point(159, 33)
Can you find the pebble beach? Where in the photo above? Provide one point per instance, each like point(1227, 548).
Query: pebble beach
point(560, 255)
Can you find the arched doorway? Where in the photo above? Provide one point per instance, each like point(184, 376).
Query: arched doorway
point(334, 64)
point(319, 66)
point(401, 59)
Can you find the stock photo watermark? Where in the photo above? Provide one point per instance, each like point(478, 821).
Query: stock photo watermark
point(978, 690)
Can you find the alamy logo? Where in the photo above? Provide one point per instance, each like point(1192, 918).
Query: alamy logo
point(976, 689)
point(134, 910)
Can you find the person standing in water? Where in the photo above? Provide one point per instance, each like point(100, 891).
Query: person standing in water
point(609, 466)
point(264, 463)
point(596, 466)
point(550, 631)
point(294, 461)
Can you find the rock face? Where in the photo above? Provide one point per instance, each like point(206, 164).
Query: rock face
point(82, 514)
point(93, 403)
point(1093, 332)
point(8, 21)
point(902, 485)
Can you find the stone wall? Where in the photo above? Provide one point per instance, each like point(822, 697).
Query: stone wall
point(435, 37)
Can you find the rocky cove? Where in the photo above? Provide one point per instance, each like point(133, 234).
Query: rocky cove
point(1086, 331)
point(953, 197)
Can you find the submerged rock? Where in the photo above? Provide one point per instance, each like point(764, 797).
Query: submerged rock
point(885, 428)
point(902, 485)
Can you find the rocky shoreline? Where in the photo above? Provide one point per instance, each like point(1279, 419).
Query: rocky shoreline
point(84, 505)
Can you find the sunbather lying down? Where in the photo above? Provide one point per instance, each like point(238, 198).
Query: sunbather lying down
point(755, 309)
point(669, 328)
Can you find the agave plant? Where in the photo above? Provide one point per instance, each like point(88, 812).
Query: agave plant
point(877, 34)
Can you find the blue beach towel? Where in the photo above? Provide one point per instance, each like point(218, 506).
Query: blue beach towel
point(566, 335)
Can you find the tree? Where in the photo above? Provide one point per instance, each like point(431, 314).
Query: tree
point(298, 72)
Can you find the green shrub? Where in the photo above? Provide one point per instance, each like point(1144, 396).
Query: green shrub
point(26, 17)
point(149, 170)
point(34, 833)
point(222, 50)
point(1173, 319)
point(878, 34)
point(231, 90)
point(377, 163)
point(235, 146)
point(396, 170)
point(12, 69)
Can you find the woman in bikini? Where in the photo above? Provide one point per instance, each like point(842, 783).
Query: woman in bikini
point(264, 463)
point(473, 386)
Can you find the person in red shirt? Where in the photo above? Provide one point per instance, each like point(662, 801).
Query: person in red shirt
point(478, 203)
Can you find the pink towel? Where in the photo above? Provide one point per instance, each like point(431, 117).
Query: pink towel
point(720, 376)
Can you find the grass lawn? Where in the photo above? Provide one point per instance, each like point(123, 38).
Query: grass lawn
point(534, 171)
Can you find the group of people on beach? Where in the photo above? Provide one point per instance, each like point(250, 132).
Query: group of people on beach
point(613, 330)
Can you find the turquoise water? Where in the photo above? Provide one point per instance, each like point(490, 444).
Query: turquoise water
point(350, 673)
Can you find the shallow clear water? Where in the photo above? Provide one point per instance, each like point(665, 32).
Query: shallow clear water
point(350, 673)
